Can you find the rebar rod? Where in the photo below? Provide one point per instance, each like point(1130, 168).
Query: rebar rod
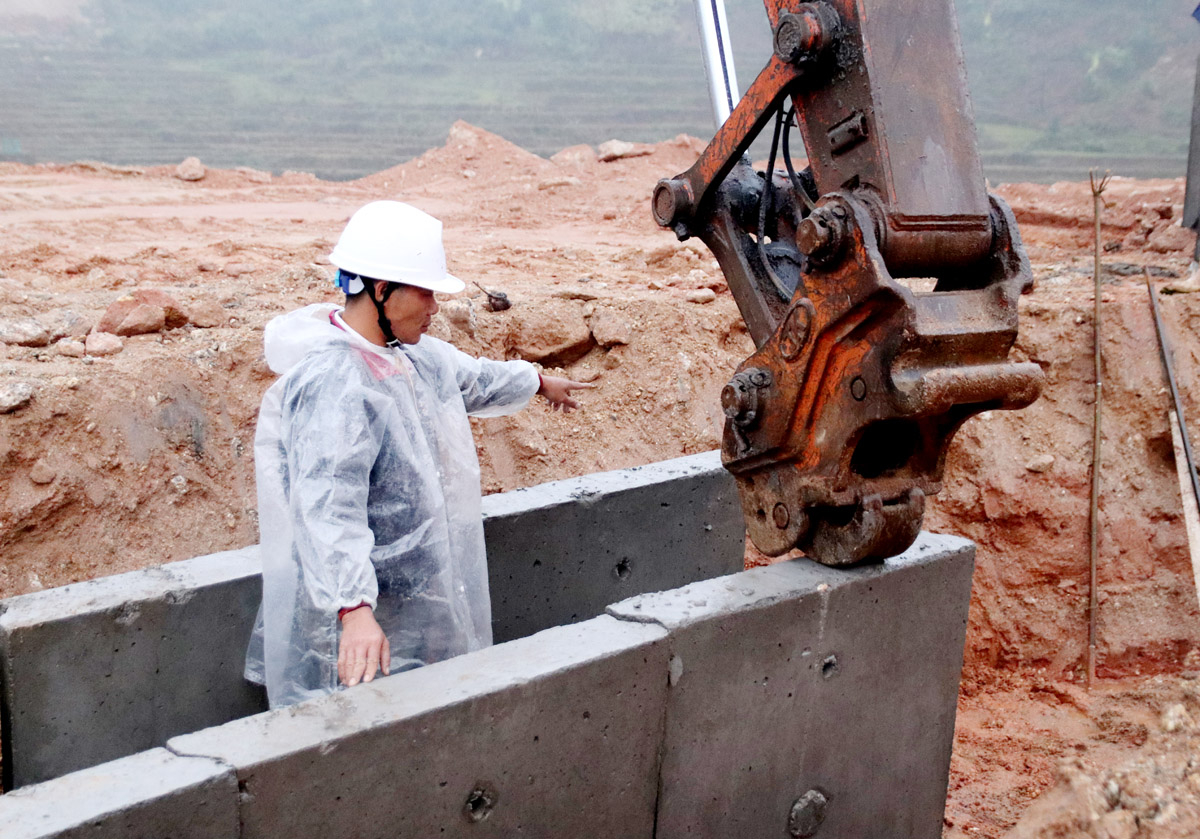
point(1094, 518)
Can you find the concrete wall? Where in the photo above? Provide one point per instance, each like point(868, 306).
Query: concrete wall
point(788, 700)
point(97, 670)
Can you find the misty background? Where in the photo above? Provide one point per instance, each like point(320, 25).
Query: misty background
point(346, 89)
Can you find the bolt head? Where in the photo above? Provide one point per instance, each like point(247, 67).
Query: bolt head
point(672, 202)
point(858, 388)
point(797, 37)
point(781, 516)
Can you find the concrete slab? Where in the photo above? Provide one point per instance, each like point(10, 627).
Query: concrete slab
point(560, 552)
point(152, 795)
point(98, 670)
point(555, 735)
point(813, 694)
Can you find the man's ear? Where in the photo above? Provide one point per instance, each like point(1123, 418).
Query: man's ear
point(377, 289)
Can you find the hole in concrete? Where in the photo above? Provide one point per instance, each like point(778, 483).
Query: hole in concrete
point(480, 803)
point(623, 570)
point(829, 667)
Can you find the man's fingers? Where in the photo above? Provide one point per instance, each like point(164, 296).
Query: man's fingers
point(372, 663)
point(355, 671)
point(386, 657)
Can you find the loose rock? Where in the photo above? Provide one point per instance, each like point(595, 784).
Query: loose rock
point(191, 169)
point(174, 315)
point(701, 295)
point(65, 323)
point(142, 320)
point(256, 176)
point(610, 329)
point(547, 337)
point(552, 183)
point(576, 156)
point(24, 332)
point(42, 473)
point(206, 315)
point(103, 343)
point(236, 269)
point(1041, 463)
point(14, 395)
point(619, 150)
point(461, 314)
point(71, 348)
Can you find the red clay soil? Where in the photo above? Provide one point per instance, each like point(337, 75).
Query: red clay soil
point(145, 456)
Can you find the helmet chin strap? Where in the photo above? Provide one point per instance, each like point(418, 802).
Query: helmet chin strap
point(385, 325)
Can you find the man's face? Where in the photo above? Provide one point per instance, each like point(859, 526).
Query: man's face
point(409, 310)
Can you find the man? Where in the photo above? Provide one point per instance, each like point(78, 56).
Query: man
point(368, 482)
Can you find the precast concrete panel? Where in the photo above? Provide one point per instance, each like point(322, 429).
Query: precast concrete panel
point(555, 736)
point(98, 670)
point(105, 668)
point(561, 552)
point(803, 695)
point(151, 795)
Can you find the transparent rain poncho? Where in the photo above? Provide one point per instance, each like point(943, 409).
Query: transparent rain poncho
point(368, 491)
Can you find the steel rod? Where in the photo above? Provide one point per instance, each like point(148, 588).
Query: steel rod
point(1094, 517)
point(718, 58)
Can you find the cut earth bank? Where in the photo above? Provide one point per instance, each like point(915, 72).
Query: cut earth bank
point(137, 449)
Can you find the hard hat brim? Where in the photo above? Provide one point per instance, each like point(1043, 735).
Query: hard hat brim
point(446, 283)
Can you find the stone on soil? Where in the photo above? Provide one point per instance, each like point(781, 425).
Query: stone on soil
point(71, 348)
point(42, 473)
point(65, 323)
point(701, 295)
point(207, 315)
point(174, 314)
point(24, 332)
point(14, 395)
point(610, 329)
point(1172, 239)
point(142, 320)
point(1041, 463)
point(619, 150)
point(549, 337)
point(553, 183)
point(190, 169)
point(103, 343)
point(576, 156)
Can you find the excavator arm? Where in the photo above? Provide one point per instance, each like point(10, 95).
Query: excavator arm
point(879, 283)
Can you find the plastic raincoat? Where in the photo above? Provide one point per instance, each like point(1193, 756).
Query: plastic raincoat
point(368, 491)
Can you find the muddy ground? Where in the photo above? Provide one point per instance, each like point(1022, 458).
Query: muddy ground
point(144, 454)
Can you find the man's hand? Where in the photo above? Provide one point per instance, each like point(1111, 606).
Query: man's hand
point(558, 392)
point(364, 648)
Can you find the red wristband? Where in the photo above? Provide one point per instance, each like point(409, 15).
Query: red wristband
point(343, 612)
point(541, 383)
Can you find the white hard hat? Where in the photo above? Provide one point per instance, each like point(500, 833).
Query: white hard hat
point(388, 240)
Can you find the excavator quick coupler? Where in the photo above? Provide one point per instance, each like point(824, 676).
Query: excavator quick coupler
point(879, 283)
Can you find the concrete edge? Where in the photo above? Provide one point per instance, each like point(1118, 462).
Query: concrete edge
point(586, 487)
point(414, 693)
point(762, 586)
point(126, 590)
point(84, 798)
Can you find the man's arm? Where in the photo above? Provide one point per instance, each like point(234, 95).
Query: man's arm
point(332, 443)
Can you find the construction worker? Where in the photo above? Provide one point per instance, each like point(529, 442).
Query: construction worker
point(368, 481)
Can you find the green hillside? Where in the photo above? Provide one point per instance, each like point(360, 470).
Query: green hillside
point(354, 87)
